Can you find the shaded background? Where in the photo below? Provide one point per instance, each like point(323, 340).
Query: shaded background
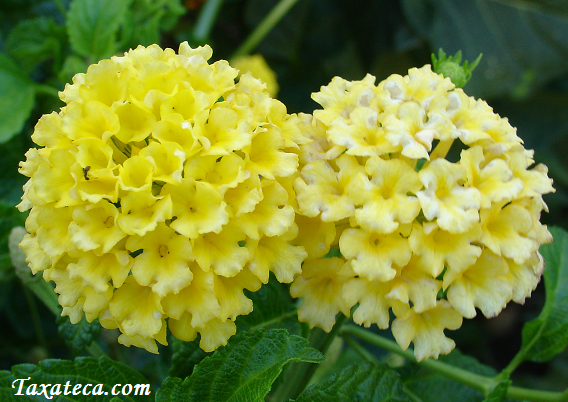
point(523, 75)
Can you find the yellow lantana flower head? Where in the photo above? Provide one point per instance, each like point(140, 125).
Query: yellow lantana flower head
point(431, 237)
point(159, 194)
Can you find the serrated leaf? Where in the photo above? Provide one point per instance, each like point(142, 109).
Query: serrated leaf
point(146, 19)
point(16, 98)
point(77, 336)
point(368, 383)
point(243, 370)
point(428, 386)
point(522, 48)
point(92, 26)
point(82, 370)
point(35, 40)
point(185, 356)
point(272, 308)
point(547, 335)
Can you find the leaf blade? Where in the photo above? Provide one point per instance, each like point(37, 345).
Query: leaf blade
point(17, 96)
point(373, 383)
point(547, 335)
point(92, 26)
point(82, 370)
point(243, 370)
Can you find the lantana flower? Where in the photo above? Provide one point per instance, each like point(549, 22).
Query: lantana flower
point(159, 194)
point(431, 238)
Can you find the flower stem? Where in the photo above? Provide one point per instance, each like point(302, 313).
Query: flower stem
point(206, 20)
point(35, 317)
point(357, 347)
point(273, 17)
point(479, 382)
point(45, 293)
point(95, 350)
point(298, 375)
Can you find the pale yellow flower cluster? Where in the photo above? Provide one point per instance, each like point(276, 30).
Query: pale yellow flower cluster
point(161, 191)
point(258, 68)
point(429, 239)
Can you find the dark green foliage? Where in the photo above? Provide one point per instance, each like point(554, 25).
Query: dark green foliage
point(358, 383)
point(243, 370)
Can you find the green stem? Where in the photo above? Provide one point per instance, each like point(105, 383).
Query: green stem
point(526, 394)
point(45, 293)
point(299, 374)
point(481, 383)
point(95, 350)
point(35, 317)
point(513, 364)
point(264, 27)
point(357, 347)
point(206, 20)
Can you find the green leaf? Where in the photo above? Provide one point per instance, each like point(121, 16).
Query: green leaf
point(243, 370)
point(273, 308)
point(146, 19)
point(364, 382)
point(77, 336)
point(547, 335)
point(16, 98)
point(186, 355)
point(82, 370)
point(427, 386)
point(93, 25)
point(499, 393)
point(72, 65)
point(35, 40)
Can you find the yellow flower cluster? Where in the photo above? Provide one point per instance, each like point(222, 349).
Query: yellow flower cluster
point(161, 191)
point(429, 239)
point(258, 68)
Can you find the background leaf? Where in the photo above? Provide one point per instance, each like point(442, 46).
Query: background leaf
point(243, 370)
point(80, 335)
point(521, 48)
point(82, 370)
point(273, 308)
point(92, 26)
point(185, 356)
point(16, 98)
point(146, 19)
point(35, 40)
point(428, 386)
point(363, 382)
point(547, 335)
